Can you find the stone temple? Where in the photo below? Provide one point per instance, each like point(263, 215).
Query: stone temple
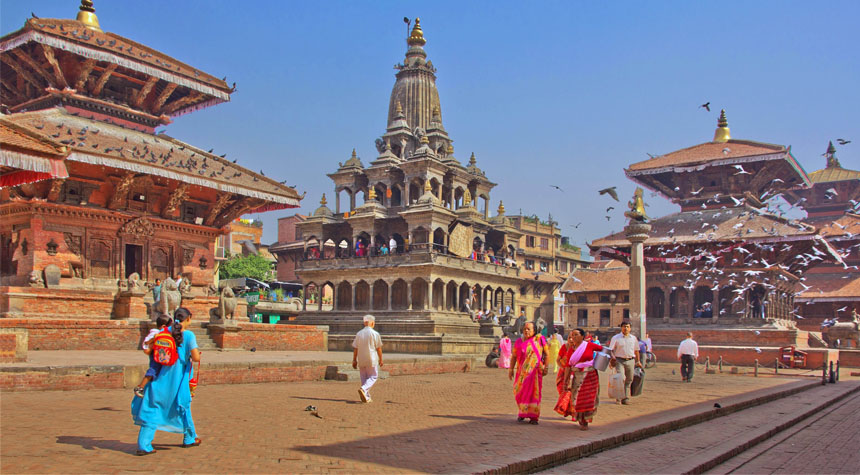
point(443, 256)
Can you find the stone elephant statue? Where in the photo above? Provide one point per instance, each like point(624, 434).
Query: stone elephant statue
point(171, 299)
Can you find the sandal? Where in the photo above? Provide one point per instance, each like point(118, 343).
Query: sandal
point(197, 442)
point(141, 453)
point(533, 422)
point(520, 419)
point(583, 427)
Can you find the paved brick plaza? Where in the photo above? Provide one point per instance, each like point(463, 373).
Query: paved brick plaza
point(436, 423)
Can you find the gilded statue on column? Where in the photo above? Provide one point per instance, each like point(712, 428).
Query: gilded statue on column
point(637, 208)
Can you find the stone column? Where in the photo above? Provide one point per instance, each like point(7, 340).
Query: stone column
point(337, 202)
point(352, 300)
point(637, 233)
point(715, 306)
point(304, 298)
point(390, 294)
point(429, 297)
point(334, 295)
point(352, 201)
point(320, 297)
point(667, 304)
point(409, 296)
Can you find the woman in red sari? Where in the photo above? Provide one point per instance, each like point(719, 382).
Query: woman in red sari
point(581, 378)
point(562, 362)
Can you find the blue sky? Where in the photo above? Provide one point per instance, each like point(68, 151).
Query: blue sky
point(545, 93)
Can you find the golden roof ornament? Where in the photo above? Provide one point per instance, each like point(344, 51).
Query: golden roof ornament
point(501, 210)
point(87, 15)
point(450, 149)
point(323, 201)
point(722, 134)
point(427, 187)
point(467, 198)
point(472, 160)
point(832, 161)
point(424, 139)
point(637, 208)
point(399, 108)
point(371, 195)
point(417, 36)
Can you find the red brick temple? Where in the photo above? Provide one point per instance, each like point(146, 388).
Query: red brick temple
point(91, 195)
point(725, 260)
point(831, 289)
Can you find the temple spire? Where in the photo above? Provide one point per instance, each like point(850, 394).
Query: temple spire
point(722, 133)
point(832, 161)
point(87, 15)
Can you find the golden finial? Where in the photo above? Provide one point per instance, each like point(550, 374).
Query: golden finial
point(417, 36)
point(424, 139)
point(722, 133)
point(399, 107)
point(501, 208)
point(467, 198)
point(87, 15)
point(323, 201)
point(353, 153)
point(450, 149)
point(436, 111)
point(427, 187)
point(473, 160)
point(832, 161)
point(372, 194)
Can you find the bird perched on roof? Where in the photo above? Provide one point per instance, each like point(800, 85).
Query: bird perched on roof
point(611, 192)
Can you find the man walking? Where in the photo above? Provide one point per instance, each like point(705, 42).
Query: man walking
point(367, 356)
point(688, 351)
point(625, 351)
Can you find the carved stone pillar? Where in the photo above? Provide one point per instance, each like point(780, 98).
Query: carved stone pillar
point(304, 298)
point(390, 295)
point(637, 233)
point(409, 296)
point(715, 306)
point(352, 300)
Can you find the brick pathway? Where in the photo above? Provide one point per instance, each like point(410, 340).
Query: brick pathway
point(826, 443)
point(434, 423)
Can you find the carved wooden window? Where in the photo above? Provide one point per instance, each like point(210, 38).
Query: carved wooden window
point(530, 241)
point(544, 266)
point(544, 243)
point(191, 211)
point(536, 291)
point(530, 264)
point(160, 263)
point(73, 192)
point(604, 317)
point(100, 259)
point(138, 199)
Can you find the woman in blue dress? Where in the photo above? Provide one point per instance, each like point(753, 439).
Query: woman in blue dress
point(166, 404)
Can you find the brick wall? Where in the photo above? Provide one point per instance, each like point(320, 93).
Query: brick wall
point(35, 302)
point(57, 334)
point(64, 379)
point(279, 337)
point(731, 337)
point(13, 345)
point(740, 356)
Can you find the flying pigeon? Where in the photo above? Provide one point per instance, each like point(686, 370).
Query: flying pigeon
point(611, 191)
point(706, 106)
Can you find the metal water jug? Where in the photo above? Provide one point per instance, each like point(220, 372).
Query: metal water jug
point(601, 360)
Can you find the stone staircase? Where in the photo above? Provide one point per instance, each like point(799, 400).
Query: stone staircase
point(345, 372)
point(204, 341)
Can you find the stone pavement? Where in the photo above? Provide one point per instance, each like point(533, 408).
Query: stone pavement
point(699, 447)
point(461, 422)
point(826, 443)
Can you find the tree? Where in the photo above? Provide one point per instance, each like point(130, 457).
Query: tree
point(252, 266)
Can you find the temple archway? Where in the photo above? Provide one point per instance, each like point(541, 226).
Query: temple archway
point(398, 295)
point(655, 302)
point(380, 295)
point(419, 294)
point(439, 294)
point(362, 295)
point(679, 303)
point(451, 296)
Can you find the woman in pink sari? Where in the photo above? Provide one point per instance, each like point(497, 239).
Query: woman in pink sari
point(529, 361)
point(505, 352)
point(581, 379)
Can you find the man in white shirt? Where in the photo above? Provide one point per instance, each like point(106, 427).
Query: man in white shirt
point(624, 348)
point(367, 356)
point(392, 246)
point(688, 351)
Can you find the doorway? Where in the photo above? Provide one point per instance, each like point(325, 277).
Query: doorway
point(133, 260)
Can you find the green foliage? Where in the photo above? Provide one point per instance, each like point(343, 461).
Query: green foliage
point(279, 294)
point(252, 266)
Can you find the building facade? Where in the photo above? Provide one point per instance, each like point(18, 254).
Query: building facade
point(90, 195)
point(597, 298)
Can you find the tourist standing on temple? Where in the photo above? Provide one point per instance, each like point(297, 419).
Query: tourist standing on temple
point(392, 245)
point(625, 351)
point(688, 351)
point(581, 378)
point(367, 356)
point(529, 361)
point(156, 292)
point(166, 401)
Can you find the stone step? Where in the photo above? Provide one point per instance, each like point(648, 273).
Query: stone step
point(346, 372)
point(204, 341)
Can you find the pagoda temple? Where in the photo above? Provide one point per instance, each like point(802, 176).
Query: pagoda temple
point(831, 290)
point(90, 195)
point(725, 258)
point(416, 251)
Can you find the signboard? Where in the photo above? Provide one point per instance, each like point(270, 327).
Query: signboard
point(460, 241)
point(253, 298)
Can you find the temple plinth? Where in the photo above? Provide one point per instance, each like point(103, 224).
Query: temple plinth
point(637, 233)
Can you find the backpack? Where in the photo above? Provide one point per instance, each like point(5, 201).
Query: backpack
point(164, 349)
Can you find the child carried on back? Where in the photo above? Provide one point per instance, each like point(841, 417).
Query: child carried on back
point(161, 323)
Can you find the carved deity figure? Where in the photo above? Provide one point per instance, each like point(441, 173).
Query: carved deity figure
point(637, 207)
point(134, 283)
point(36, 279)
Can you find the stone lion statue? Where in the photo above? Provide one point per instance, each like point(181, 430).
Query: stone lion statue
point(170, 297)
point(133, 283)
point(226, 305)
point(35, 279)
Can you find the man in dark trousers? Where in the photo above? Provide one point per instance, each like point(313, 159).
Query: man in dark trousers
point(688, 351)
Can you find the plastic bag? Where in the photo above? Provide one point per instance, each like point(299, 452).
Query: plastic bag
point(616, 385)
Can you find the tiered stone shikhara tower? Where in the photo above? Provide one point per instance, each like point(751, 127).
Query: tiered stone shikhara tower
point(416, 193)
